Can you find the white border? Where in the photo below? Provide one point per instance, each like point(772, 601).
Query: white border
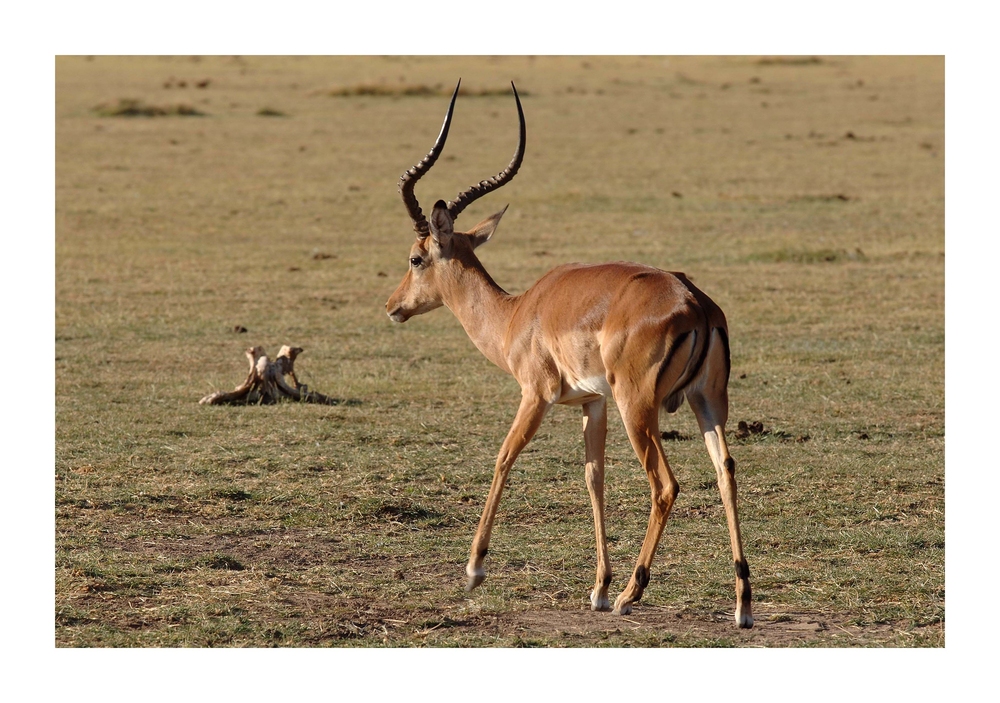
point(34, 34)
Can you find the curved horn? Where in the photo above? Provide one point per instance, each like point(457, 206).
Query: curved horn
point(410, 178)
point(467, 197)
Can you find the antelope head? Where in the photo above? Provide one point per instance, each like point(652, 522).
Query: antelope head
point(440, 255)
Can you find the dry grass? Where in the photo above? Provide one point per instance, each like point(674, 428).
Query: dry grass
point(298, 525)
point(789, 61)
point(411, 90)
point(137, 108)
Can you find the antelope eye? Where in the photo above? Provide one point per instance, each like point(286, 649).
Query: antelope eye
point(416, 261)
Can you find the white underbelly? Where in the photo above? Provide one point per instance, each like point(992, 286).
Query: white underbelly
point(584, 390)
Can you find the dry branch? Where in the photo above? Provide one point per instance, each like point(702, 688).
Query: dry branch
point(265, 383)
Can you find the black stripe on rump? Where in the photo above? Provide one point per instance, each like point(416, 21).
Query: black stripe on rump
point(693, 370)
point(725, 345)
point(697, 367)
point(670, 355)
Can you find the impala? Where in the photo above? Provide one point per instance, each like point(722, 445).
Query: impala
point(581, 334)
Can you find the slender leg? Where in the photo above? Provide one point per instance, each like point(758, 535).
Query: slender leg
point(526, 422)
point(642, 426)
point(711, 407)
point(595, 432)
point(725, 471)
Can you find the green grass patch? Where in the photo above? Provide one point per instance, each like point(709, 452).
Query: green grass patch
point(137, 108)
point(225, 562)
point(415, 90)
point(790, 61)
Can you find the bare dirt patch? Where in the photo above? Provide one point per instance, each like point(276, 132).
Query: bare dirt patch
point(784, 629)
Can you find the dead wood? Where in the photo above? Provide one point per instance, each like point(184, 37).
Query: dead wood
point(265, 382)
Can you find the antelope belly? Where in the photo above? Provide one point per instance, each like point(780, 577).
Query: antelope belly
point(585, 389)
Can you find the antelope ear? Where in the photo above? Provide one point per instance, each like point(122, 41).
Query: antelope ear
point(481, 233)
point(441, 223)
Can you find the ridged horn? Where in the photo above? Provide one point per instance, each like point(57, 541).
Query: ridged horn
point(410, 177)
point(467, 197)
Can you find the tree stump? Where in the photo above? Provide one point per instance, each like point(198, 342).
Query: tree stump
point(265, 384)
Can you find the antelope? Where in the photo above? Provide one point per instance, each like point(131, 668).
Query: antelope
point(581, 334)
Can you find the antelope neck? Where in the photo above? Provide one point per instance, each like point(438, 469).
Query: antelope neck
point(483, 308)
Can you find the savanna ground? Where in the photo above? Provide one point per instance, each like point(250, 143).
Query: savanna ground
point(806, 196)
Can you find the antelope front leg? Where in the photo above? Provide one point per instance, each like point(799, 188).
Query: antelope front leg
point(595, 432)
point(526, 422)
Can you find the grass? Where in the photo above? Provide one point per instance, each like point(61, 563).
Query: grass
point(137, 108)
point(790, 61)
point(806, 256)
point(302, 525)
point(412, 90)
